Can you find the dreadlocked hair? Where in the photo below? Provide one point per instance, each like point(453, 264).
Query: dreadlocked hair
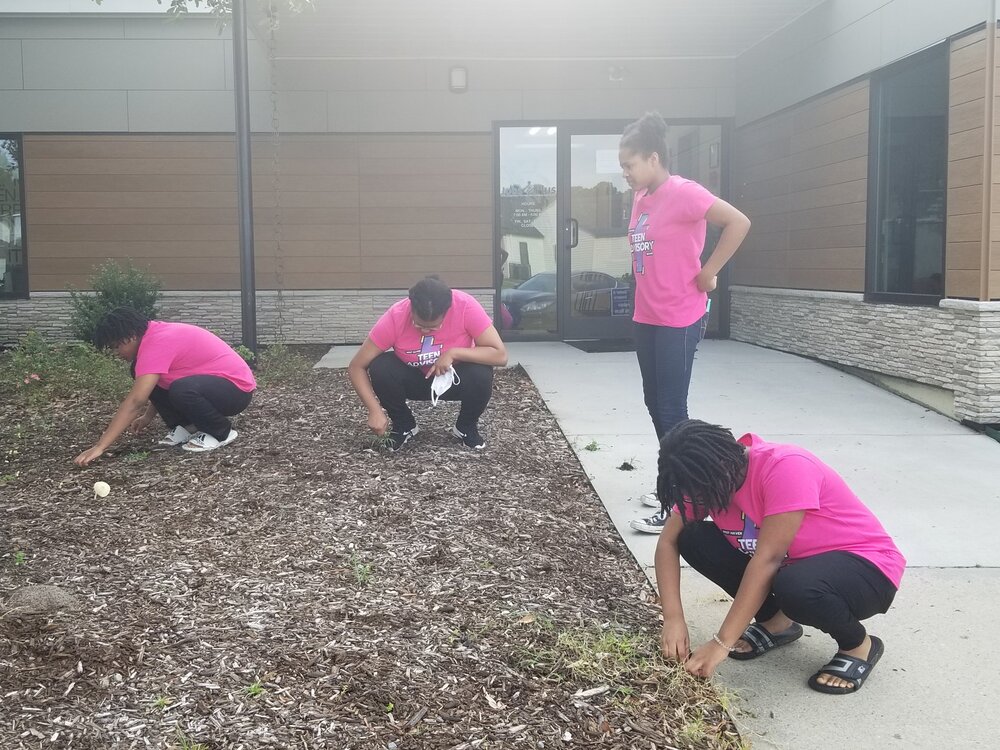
point(700, 465)
point(117, 326)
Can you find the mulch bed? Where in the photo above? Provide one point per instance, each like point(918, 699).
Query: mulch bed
point(302, 589)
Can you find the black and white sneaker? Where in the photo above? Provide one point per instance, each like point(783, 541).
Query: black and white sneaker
point(652, 525)
point(470, 436)
point(650, 499)
point(398, 438)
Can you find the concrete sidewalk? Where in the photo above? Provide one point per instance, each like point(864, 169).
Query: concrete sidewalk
point(931, 481)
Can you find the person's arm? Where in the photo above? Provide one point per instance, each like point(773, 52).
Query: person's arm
point(133, 405)
point(735, 225)
point(674, 639)
point(489, 350)
point(357, 371)
point(776, 535)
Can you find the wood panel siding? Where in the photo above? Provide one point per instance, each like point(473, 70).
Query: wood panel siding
point(351, 212)
point(966, 133)
point(802, 178)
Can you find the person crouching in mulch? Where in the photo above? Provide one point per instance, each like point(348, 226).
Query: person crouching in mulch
point(189, 376)
point(444, 346)
point(787, 539)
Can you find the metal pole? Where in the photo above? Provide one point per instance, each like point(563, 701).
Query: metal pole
point(241, 84)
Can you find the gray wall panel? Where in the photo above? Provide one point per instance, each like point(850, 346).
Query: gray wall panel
point(629, 104)
point(180, 111)
point(60, 111)
point(841, 40)
point(61, 28)
point(10, 64)
point(153, 64)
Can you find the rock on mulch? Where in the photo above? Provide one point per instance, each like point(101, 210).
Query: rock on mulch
point(301, 589)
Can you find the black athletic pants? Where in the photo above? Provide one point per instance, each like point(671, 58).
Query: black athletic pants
point(202, 400)
point(394, 382)
point(832, 591)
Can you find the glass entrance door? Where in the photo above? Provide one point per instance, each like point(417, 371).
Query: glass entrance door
point(597, 288)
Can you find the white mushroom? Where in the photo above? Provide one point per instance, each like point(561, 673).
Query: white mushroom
point(101, 489)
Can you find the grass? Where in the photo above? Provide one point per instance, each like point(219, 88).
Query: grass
point(382, 443)
point(20, 558)
point(184, 743)
point(362, 571)
point(136, 456)
point(279, 364)
point(255, 689)
point(592, 446)
point(163, 702)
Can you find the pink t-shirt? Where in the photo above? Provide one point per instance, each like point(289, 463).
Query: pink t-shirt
point(177, 350)
point(464, 322)
point(667, 236)
point(784, 478)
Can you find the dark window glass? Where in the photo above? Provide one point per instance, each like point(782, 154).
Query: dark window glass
point(13, 268)
point(909, 179)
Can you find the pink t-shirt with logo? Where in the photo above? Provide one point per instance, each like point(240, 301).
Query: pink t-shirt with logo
point(177, 350)
point(785, 478)
point(667, 236)
point(464, 322)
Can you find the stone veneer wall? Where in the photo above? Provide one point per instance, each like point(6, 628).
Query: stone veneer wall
point(321, 317)
point(955, 345)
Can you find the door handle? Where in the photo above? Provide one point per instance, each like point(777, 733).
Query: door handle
point(574, 233)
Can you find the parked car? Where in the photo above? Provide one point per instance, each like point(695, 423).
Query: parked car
point(532, 303)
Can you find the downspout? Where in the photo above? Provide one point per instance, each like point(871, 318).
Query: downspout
point(988, 140)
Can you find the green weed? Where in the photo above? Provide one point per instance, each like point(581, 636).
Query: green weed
point(279, 364)
point(592, 446)
point(362, 571)
point(255, 689)
point(20, 558)
point(184, 743)
point(136, 456)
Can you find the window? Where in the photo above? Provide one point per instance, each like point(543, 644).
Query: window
point(13, 267)
point(907, 185)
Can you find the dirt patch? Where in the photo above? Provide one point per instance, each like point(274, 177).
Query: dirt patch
point(300, 589)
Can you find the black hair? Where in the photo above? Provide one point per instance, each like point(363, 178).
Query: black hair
point(117, 326)
point(701, 464)
point(430, 298)
point(646, 136)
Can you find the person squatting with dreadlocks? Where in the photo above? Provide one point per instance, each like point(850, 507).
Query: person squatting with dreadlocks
point(787, 539)
point(189, 376)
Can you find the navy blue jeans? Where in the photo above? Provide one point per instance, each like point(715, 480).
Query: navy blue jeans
point(666, 356)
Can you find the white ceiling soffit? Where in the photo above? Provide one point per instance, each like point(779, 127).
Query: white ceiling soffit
point(533, 29)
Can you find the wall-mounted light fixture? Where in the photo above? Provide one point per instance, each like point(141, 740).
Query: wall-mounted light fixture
point(458, 80)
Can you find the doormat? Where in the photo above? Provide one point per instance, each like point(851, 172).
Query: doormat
point(601, 346)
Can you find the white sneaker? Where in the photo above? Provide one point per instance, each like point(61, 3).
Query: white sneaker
point(177, 436)
point(650, 499)
point(204, 442)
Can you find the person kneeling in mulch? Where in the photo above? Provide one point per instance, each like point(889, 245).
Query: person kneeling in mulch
point(444, 346)
point(189, 376)
point(787, 539)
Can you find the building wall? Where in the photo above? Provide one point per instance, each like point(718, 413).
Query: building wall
point(348, 211)
point(838, 41)
point(802, 177)
point(295, 317)
point(153, 75)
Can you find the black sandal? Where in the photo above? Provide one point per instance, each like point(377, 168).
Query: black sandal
point(761, 640)
point(848, 668)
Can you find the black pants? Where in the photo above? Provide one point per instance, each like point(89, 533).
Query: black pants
point(202, 400)
point(394, 382)
point(666, 358)
point(832, 591)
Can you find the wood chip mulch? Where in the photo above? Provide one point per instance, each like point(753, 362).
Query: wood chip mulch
point(302, 589)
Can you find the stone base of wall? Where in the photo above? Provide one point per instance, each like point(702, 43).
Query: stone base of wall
point(955, 345)
point(302, 317)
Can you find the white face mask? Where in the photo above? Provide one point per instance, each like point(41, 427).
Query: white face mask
point(442, 383)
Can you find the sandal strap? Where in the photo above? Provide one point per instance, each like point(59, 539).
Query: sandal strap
point(758, 638)
point(847, 668)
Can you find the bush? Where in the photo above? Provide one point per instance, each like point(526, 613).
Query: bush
point(36, 372)
point(114, 286)
point(279, 364)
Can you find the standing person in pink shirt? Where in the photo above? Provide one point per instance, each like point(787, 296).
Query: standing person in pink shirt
point(667, 235)
point(787, 539)
point(435, 334)
point(189, 376)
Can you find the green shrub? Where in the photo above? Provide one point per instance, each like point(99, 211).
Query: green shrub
point(279, 364)
point(114, 286)
point(37, 371)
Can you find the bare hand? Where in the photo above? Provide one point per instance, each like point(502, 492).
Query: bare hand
point(139, 424)
point(706, 283)
point(674, 640)
point(703, 662)
point(88, 455)
point(378, 422)
point(443, 364)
